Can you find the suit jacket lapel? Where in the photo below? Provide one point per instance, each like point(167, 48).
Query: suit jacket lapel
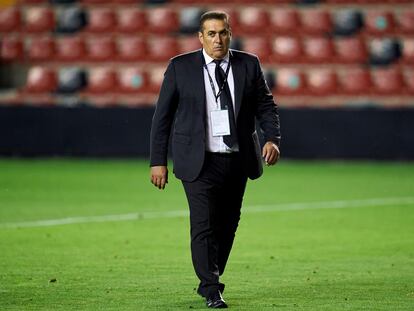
point(239, 74)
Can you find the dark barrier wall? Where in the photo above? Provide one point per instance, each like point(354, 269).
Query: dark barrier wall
point(121, 132)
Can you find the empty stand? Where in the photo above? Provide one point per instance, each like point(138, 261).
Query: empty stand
point(132, 49)
point(162, 48)
point(387, 80)
point(384, 51)
point(132, 80)
point(41, 49)
point(71, 80)
point(39, 19)
point(316, 21)
point(189, 19)
point(71, 19)
point(102, 80)
point(101, 49)
point(155, 78)
point(409, 80)
point(10, 19)
point(287, 50)
point(162, 20)
point(188, 43)
point(408, 51)
point(319, 50)
point(41, 80)
point(347, 21)
point(253, 20)
point(259, 46)
point(284, 20)
point(379, 22)
point(354, 81)
point(322, 82)
point(290, 82)
point(351, 50)
point(101, 20)
point(131, 20)
point(405, 21)
point(70, 49)
point(11, 49)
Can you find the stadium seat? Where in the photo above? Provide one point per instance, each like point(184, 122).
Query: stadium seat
point(409, 80)
point(162, 48)
point(71, 19)
point(384, 51)
point(378, 22)
point(351, 50)
point(101, 49)
point(101, 20)
point(132, 80)
point(131, 20)
point(39, 19)
point(316, 21)
point(132, 49)
point(387, 81)
point(41, 80)
point(11, 49)
point(10, 19)
point(322, 82)
point(70, 49)
point(405, 21)
point(354, 81)
point(319, 50)
point(101, 80)
point(189, 19)
point(253, 20)
point(287, 50)
point(347, 21)
point(408, 51)
point(259, 46)
point(41, 49)
point(71, 80)
point(284, 21)
point(155, 78)
point(188, 43)
point(162, 20)
point(290, 81)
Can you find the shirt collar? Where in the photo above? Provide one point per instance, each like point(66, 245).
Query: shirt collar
point(209, 59)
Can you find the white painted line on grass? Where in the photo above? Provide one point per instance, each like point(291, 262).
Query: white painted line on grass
point(182, 213)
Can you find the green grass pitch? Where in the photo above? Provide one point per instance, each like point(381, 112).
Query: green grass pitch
point(313, 236)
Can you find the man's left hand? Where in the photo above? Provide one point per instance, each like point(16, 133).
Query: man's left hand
point(270, 153)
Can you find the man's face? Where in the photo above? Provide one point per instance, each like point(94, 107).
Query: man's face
point(215, 38)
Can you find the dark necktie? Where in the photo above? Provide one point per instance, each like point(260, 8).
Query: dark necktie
point(225, 103)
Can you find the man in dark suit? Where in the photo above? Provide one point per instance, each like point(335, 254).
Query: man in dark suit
point(210, 99)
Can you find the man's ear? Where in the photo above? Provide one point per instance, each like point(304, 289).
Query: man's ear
point(200, 37)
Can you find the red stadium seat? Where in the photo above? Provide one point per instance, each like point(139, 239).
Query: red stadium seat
point(284, 21)
point(11, 49)
point(70, 49)
point(405, 21)
point(354, 81)
point(408, 51)
point(101, 49)
point(319, 50)
point(131, 20)
point(102, 80)
point(379, 22)
point(387, 80)
point(132, 80)
point(162, 48)
point(39, 19)
point(253, 20)
point(290, 81)
point(316, 21)
point(351, 50)
point(409, 80)
point(287, 50)
point(10, 19)
point(41, 80)
point(155, 78)
point(132, 49)
point(162, 20)
point(322, 82)
point(41, 49)
point(101, 20)
point(188, 43)
point(259, 46)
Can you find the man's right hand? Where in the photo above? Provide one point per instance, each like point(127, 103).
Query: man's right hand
point(159, 176)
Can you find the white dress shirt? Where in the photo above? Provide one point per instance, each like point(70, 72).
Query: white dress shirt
point(215, 143)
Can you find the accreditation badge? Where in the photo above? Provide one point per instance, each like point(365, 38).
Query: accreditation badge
point(220, 122)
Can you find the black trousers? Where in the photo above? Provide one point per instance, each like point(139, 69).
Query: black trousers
point(215, 200)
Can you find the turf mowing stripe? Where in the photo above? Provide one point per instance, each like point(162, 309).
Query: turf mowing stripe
point(182, 213)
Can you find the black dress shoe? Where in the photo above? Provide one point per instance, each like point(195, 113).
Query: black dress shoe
point(216, 301)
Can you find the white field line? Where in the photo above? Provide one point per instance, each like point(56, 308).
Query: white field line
point(183, 213)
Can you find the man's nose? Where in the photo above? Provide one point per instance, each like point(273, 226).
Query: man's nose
point(217, 38)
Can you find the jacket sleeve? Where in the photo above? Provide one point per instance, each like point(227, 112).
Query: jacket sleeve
point(163, 118)
point(266, 109)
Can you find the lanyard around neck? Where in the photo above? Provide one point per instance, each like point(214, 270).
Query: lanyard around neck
point(217, 96)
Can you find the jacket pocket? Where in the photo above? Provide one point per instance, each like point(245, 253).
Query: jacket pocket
point(181, 138)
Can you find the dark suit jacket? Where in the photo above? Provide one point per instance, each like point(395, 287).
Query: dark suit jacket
point(181, 104)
